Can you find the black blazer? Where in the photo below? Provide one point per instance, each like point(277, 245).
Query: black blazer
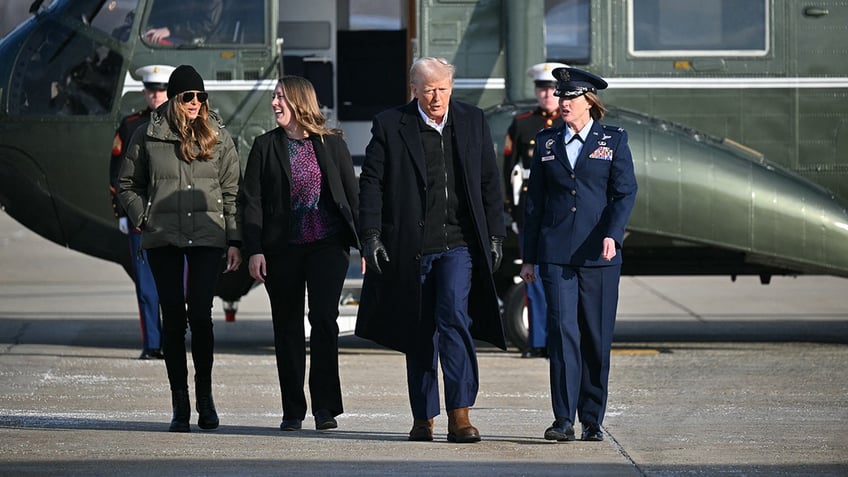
point(265, 193)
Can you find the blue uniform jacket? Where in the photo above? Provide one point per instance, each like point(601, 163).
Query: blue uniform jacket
point(570, 211)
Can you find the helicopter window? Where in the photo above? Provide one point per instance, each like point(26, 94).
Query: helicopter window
point(567, 31)
point(369, 15)
point(113, 17)
point(61, 72)
point(243, 22)
point(698, 28)
point(205, 22)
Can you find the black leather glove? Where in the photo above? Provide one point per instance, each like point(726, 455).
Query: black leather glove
point(373, 249)
point(496, 247)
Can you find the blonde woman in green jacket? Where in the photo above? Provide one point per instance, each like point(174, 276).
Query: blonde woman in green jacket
point(179, 180)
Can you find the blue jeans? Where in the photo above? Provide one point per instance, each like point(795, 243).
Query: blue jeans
point(444, 336)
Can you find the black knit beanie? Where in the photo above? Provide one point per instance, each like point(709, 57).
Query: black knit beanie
point(184, 78)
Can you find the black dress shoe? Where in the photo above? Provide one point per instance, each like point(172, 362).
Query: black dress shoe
point(291, 424)
point(535, 353)
point(151, 354)
point(324, 420)
point(560, 430)
point(592, 432)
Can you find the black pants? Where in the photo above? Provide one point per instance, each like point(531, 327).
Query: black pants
point(320, 269)
point(186, 303)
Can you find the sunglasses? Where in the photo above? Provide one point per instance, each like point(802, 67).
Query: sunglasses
point(188, 96)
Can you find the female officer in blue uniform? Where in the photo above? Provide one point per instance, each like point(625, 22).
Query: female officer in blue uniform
point(519, 143)
point(581, 191)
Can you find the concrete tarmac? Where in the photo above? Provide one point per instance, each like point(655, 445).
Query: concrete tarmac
point(709, 377)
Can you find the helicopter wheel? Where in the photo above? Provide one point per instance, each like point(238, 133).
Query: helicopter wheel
point(516, 317)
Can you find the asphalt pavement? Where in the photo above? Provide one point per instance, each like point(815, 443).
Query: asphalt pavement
point(709, 377)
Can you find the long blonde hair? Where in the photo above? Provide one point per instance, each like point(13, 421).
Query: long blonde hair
point(197, 138)
point(301, 97)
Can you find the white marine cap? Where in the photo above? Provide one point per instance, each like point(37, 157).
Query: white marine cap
point(542, 73)
point(155, 77)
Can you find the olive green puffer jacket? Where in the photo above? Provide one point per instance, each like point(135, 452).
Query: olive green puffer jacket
point(180, 203)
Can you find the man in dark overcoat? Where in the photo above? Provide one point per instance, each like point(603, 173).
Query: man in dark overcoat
point(432, 228)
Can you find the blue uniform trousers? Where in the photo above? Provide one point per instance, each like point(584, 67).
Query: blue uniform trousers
point(582, 304)
point(148, 298)
point(537, 312)
point(444, 336)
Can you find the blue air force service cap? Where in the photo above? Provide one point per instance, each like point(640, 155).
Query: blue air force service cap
point(572, 82)
point(155, 77)
point(542, 74)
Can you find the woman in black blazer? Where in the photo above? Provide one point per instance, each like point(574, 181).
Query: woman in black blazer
point(299, 201)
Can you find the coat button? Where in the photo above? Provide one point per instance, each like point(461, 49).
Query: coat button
point(189, 214)
point(574, 209)
point(417, 257)
point(572, 175)
point(573, 192)
point(421, 223)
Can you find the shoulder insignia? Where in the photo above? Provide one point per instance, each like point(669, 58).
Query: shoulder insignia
point(546, 132)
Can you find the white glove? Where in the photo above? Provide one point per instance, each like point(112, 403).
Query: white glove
point(124, 225)
point(516, 180)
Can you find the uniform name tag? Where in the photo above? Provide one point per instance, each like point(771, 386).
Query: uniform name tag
point(548, 158)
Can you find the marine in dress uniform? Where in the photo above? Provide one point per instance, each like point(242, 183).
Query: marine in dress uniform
point(518, 155)
point(155, 80)
point(581, 192)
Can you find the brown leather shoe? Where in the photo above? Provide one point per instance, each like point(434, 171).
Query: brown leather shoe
point(460, 429)
point(422, 430)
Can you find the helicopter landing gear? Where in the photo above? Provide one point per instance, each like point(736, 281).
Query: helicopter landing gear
point(515, 317)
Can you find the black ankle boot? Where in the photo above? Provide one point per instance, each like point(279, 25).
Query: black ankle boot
point(182, 411)
point(207, 416)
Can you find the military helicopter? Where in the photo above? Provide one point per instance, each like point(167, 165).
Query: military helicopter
point(736, 111)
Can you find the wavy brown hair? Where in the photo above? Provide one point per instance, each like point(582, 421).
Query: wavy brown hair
point(301, 97)
point(197, 138)
point(598, 110)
